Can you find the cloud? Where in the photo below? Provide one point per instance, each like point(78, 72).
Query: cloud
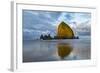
point(79, 22)
point(36, 23)
point(84, 28)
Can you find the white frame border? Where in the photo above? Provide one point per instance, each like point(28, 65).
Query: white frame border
point(16, 59)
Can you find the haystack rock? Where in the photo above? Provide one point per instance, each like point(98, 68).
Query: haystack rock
point(64, 31)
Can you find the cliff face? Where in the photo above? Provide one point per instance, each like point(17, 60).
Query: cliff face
point(64, 31)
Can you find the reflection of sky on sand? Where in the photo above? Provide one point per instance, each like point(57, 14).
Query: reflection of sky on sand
point(48, 50)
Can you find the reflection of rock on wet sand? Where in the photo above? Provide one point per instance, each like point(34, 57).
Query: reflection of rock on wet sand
point(64, 50)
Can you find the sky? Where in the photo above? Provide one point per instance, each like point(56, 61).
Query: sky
point(36, 23)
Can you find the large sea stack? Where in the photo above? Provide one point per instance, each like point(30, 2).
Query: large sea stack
point(64, 31)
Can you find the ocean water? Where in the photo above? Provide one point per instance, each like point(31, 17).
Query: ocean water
point(56, 50)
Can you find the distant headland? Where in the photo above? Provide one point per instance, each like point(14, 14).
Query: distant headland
point(64, 31)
